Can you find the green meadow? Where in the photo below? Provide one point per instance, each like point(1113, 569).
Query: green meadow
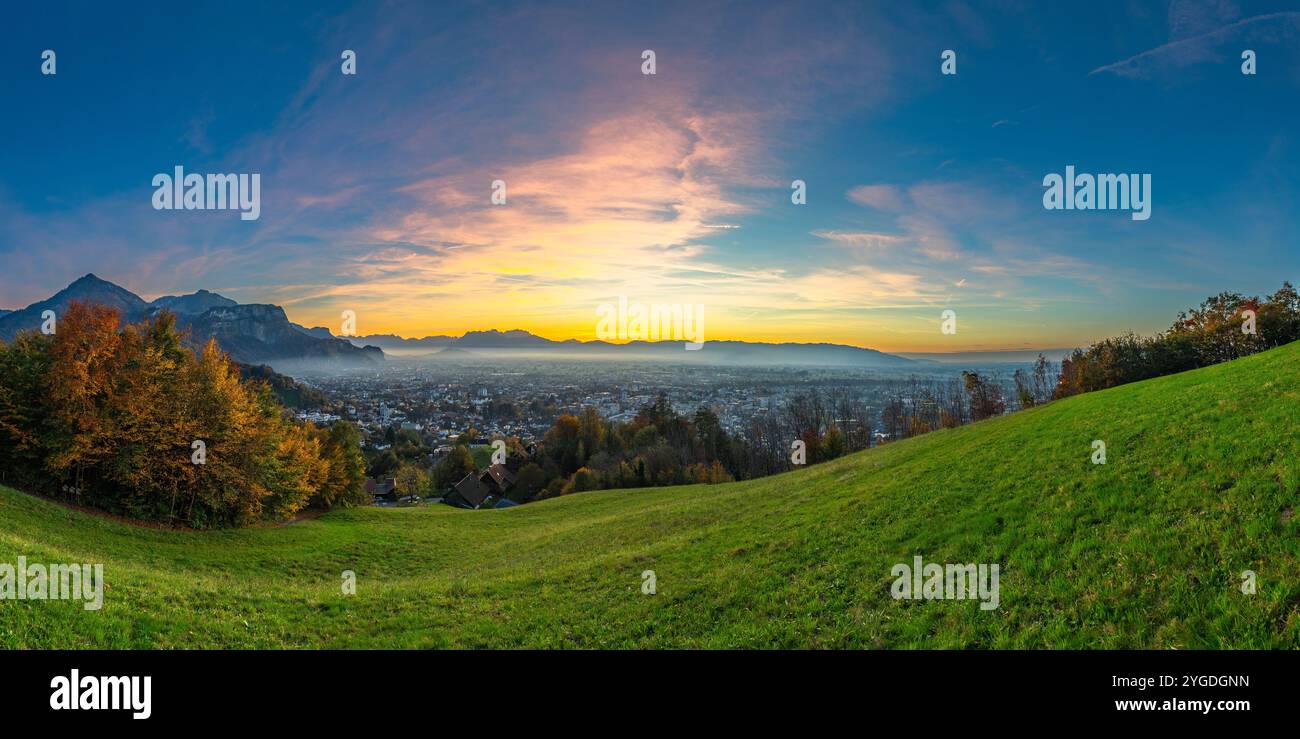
point(1146, 551)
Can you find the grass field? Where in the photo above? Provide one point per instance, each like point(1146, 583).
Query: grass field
point(1146, 551)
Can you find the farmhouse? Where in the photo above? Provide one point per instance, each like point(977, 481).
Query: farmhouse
point(382, 490)
point(475, 488)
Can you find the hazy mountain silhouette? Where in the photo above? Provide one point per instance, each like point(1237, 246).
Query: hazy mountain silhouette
point(525, 344)
point(263, 334)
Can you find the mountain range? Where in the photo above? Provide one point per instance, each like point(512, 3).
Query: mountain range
point(252, 334)
point(263, 334)
point(523, 344)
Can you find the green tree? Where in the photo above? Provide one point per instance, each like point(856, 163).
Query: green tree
point(24, 365)
point(385, 464)
point(529, 480)
point(453, 467)
point(833, 444)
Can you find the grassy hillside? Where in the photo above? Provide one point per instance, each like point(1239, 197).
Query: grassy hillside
point(1202, 478)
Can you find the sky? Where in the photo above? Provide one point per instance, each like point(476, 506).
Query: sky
point(924, 191)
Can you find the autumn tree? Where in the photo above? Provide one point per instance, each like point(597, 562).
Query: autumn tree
point(345, 477)
point(130, 420)
point(82, 365)
point(412, 480)
point(985, 396)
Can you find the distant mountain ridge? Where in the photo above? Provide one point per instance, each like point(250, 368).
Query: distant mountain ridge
point(319, 332)
point(251, 334)
point(195, 304)
point(263, 334)
point(390, 341)
point(983, 357)
point(523, 343)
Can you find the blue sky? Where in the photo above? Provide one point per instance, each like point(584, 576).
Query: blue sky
point(924, 190)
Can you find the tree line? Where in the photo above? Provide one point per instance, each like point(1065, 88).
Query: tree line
point(129, 420)
point(661, 446)
point(1224, 327)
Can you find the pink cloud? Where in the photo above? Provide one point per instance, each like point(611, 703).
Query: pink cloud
point(881, 197)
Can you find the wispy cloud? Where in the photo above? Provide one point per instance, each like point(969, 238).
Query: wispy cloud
point(883, 197)
point(1201, 45)
point(861, 238)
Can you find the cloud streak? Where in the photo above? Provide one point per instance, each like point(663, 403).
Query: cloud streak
point(1183, 52)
